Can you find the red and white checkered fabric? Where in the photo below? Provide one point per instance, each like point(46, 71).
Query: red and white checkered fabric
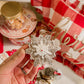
point(66, 15)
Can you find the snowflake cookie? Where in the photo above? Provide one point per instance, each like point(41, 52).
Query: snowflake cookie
point(42, 49)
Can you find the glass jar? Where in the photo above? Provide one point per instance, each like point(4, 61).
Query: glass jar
point(19, 24)
point(12, 11)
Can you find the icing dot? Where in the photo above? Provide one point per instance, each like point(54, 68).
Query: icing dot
point(41, 50)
